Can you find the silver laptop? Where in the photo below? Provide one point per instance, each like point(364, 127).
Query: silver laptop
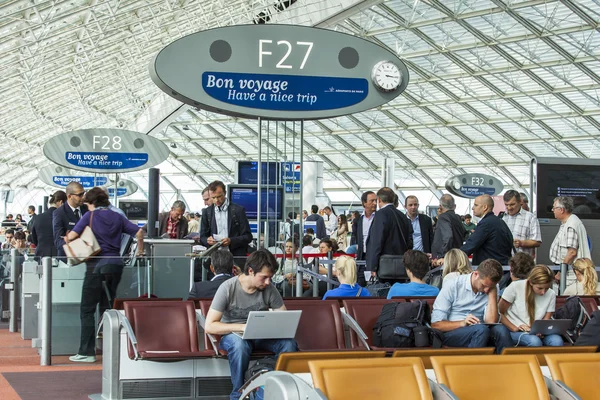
point(550, 326)
point(271, 325)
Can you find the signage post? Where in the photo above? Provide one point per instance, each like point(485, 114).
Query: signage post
point(279, 73)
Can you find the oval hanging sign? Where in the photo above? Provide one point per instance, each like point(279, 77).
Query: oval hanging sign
point(60, 177)
point(105, 150)
point(125, 188)
point(282, 72)
point(473, 185)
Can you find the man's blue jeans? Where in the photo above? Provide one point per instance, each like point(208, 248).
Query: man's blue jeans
point(525, 339)
point(479, 335)
point(239, 350)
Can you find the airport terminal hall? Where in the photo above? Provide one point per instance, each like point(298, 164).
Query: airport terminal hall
point(299, 199)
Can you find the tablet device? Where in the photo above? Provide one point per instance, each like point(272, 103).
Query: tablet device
point(550, 327)
point(271, 325)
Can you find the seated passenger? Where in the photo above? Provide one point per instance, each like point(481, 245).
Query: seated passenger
point(465, 304)
point(521, 265)
point(221, 264)
point(456, 263)
point(586, 283)
point(416, 264)
point(9, 236)
point(345, 269)
point(235, 298)
point(285, 278)
point(525, 301)
point(307, 248)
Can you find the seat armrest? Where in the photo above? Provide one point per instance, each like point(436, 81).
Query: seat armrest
point(213, 341)
point(352, 324)
point(124, 322)
point(560, 390)
point(441, 391)
point(279, 381)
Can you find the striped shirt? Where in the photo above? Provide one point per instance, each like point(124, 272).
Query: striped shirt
point(524, 226)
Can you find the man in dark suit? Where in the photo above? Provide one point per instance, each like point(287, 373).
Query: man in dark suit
point(390, 232)
point(172, 222)
point(32, 217)
point(492, 238)
point(362, 224)
point(321, 232)
point(421, 224)
point(225, 222)
point(221, 264)
point(42, 234)
point(66, 216)
point(449, 229)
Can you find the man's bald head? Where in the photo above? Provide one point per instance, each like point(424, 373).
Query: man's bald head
point(488, 201)
point(482, 205)
point(74, 188)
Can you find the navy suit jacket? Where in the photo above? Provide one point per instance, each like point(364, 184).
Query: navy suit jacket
point(42, 235)
point(491, 239)
point(63, 220)
point(426, 231)
point(321, 233)
point(385, 238)
point(238, 228)
point(208, 289)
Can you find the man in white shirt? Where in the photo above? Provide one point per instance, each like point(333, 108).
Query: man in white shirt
point(331, 225)
point(523, 225)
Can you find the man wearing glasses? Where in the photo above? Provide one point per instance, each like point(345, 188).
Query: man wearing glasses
point(66, 216)
point(225, 222)
point(571, 241)
point(173, 224)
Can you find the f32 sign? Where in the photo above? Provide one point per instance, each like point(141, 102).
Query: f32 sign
point(280, 72)
point(105, 150)
point(473, 185)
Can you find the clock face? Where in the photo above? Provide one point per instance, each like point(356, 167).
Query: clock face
point(386, 76)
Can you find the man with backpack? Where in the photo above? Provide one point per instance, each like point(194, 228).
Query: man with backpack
point(466, 309)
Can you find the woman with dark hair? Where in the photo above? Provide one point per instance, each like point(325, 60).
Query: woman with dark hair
point(107, 267)
point(42, 235)
point(342, 232)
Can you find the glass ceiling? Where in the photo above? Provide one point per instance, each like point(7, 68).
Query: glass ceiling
point(492, 84)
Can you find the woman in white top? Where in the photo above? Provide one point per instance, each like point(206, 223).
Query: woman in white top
point(456, 263)
point(528, 300)
point(587, 279)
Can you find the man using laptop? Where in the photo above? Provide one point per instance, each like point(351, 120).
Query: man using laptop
point(235, 298)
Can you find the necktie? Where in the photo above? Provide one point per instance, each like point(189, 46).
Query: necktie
point(76, 211)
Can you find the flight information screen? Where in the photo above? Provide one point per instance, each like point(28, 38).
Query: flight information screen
point(271, 201)
point(581, 182)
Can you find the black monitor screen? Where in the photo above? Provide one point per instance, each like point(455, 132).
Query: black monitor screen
point(246, 196)
point(248, 173)
point(135, 210)
point(581, 182)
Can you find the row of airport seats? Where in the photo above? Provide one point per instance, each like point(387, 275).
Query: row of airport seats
point(368, 375)
point(146, 333)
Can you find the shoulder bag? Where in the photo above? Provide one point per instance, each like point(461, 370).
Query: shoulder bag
point(391, 266)
point(84, 247)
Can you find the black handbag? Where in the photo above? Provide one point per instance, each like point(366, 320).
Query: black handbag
point(391, 266)
point(378, 289)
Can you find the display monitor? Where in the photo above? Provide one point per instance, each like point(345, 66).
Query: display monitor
point(247, 172)
point(581, 182)
point(135, 210)
point(247, 196)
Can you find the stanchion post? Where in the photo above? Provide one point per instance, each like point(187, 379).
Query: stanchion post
point(15, 297)
point(46, 353)
point(329, 270)
point(564, 268)
point(315, 280)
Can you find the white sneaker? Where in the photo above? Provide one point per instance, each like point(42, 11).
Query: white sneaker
point(80, 358)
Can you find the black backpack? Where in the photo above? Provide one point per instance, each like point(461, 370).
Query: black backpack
point(574, 310)
point(260, 366)
point(394, 327)
point(590, 335)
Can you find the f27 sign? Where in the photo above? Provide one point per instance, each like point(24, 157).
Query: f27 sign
point(281, 72)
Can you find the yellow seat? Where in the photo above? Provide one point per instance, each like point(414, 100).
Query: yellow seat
point(426, 353)
point(491, 377)
point(297, 362)
point(580, 372)
point(540, 352)
point(371, 378)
